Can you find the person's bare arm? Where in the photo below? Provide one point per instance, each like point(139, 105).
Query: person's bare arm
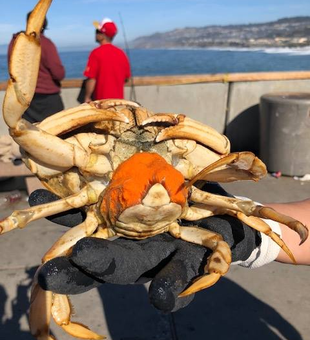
point(301, 212)
point(89, 89)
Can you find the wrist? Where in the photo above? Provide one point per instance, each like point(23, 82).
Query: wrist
point(266, 252)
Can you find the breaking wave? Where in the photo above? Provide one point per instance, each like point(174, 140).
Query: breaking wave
point(289, 51)
point(269, 50)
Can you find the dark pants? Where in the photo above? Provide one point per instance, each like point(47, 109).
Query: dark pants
point(43, 106)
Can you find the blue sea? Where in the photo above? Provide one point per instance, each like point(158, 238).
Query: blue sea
point(193, 61)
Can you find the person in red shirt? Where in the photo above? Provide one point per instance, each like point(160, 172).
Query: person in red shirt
point(108, 67)
point(46, 100)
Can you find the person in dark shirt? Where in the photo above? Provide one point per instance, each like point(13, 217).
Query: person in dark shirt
point(46, 100)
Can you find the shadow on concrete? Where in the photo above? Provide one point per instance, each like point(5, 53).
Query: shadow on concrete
point(129, 316)
point(11, 326)
point(225, 311)
point(243, 131)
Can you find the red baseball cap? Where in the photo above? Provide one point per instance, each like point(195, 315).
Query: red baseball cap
point(107, 27)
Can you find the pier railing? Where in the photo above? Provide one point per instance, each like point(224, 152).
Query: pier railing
point(199, 78)
point(229, 102)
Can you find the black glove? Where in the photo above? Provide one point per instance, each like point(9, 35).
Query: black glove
point(170, 263)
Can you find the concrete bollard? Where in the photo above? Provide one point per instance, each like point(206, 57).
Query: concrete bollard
point(285, 132)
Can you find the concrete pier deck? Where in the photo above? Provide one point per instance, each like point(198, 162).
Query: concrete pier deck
point(272, 302)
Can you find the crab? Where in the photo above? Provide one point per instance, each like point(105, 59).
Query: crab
point(135, 173)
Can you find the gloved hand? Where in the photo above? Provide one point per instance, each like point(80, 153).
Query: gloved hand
point(170, 263)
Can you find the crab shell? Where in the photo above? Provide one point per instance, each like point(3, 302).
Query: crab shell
point(145, 195)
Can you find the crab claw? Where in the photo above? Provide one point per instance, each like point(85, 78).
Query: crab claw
point(24, 66)
point(40, 312)
point(168, 118)
point(298, 227)
point(184, 127)
point(61, 312)
point(44, 305)
point(81, 331)
point(235, 166)
point(201, 283)
point(219, 261)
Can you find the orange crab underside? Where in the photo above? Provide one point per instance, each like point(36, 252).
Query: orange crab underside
point(134, 177)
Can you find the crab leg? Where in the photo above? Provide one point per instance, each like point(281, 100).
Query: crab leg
point(108, 103)
point(40, 311)
point(52, 150)
point(184, 127)
point(24, 66)
point(61, 312)
point(43, 305)
point(20, 218)
point(190, 157)
point(72, 236)
point(249, 208)
point(198, 212)
point(57, 153)
point(67, 120)
point(218, 263)
point(241, 166)
point(262, 226)
point(98, 164)
point(61, 308)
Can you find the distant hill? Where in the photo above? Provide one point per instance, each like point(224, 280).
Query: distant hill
point(286, 32)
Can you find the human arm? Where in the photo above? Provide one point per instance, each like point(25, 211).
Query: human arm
point(91, 72)
point(301, 211)
point(89, 89)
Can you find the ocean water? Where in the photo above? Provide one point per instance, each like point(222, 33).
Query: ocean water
point(193, 61)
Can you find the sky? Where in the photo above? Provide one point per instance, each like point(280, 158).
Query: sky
point(70, 21)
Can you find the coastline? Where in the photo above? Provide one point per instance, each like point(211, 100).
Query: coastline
point(266, 49)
